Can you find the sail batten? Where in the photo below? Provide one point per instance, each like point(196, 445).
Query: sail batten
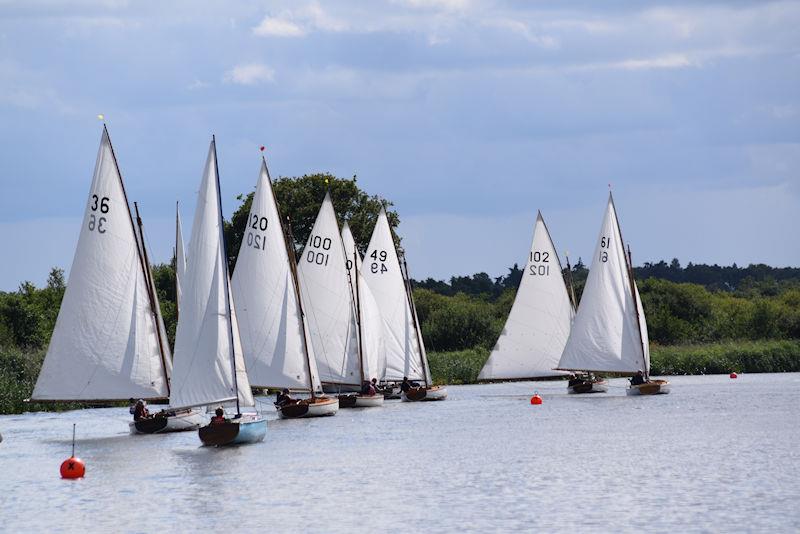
point(606, 334)
point(105, 342)
point(539, 322)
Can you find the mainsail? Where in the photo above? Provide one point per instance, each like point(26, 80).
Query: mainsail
point(350, 247)
point(207, 336)
point(538, 325)
point(609, 333)
point(405, 354)
point(328, 302)
point(273, 330)
point(106, 344)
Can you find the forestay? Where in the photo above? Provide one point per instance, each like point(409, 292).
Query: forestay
point(105, 345)
point(381, 270)
point(270, 320)
point(606, 334)
point(538, 325)
point(328, 301)
point(180, 256)
point(205, 339)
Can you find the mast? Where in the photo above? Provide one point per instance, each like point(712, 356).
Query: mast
point(288, 240)
point(175, 255)
point(572, 297)
point(407, 282)
point(149, 281)
point(226, 279)
point(358, 315)
point(632, 285)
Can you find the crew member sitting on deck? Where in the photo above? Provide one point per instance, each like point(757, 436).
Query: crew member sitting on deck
point(284, 398)
point(219, 417)
point(375, 384)
point(405, 386)
point(638, 378)
point(140, 411)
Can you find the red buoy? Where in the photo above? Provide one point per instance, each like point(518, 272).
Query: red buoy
point(734, 375)
point(536, 399)
point(73, 468)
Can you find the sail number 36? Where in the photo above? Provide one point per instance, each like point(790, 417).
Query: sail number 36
point(95, 222)
point(537, 265)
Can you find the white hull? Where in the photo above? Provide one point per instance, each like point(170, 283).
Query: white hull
point(320, 408)
point(654, 387)
point(369, 401)
point(433, 393)
point(180, 422)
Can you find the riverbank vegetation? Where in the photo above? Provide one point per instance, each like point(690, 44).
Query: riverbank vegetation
point(701, 318)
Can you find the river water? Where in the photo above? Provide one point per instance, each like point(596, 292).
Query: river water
point(714, 455)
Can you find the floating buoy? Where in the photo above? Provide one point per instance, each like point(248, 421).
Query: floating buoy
point(734, 375)
point(73, 467)
point(536, 399)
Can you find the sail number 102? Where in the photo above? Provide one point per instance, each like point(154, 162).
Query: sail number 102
point(95, 222)
point(539, 263)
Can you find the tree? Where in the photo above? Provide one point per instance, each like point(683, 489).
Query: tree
point(299, 200)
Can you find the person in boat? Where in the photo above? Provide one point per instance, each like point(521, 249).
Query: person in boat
point(405, 385)
point(132, 406)
point(638, 378)
point(367, 389)
point(284, 398)
point(375, 385)
point(140, 411)
point(219, 417)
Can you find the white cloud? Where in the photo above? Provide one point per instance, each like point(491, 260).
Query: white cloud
point(278, 27)
point(250, 74)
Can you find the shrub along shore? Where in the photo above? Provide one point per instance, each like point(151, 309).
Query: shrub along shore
point(19, 368)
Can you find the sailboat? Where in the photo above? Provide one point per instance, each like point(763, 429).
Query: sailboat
point(209, 366)
point(273, 325)
point(109, 342)
point(609, 333)
point(538, 325)
point(332, 300)
point(389, 283)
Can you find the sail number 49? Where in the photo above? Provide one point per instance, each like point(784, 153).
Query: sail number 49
point(97, 223)
point(537, 265)
point(318, 256)
point(378, 266)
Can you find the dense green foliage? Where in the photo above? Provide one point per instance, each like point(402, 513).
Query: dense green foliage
point(701, 318)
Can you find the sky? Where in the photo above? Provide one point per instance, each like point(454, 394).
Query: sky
point(469, 115)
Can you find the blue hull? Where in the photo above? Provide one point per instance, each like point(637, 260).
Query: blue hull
point(251, 432)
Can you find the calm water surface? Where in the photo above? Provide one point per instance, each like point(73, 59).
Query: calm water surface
point(714, 455)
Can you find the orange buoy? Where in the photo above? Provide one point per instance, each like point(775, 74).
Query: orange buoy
point(536, 399)
point(73, 468)
point(734, 375)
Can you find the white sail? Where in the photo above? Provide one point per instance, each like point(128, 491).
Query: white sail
point(350, 246)
point(270, 320)
point(180, 257)
point(372, 325)
point(105, 343)
point(328, 302)
point(381, 270)
point(538, 325)
point(606, 334)
point(207, 335)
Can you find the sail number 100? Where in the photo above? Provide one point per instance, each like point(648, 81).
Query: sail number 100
point(537, 265)
point(318, 257)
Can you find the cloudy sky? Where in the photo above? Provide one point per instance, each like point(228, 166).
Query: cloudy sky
point(470, 115)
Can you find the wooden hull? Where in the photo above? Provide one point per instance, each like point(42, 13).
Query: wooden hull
point(587, 386)
point(316, 407)
point(654, 387)
point(360, 401)
point(433, 393)
point(172, 422)
point(248, 429)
